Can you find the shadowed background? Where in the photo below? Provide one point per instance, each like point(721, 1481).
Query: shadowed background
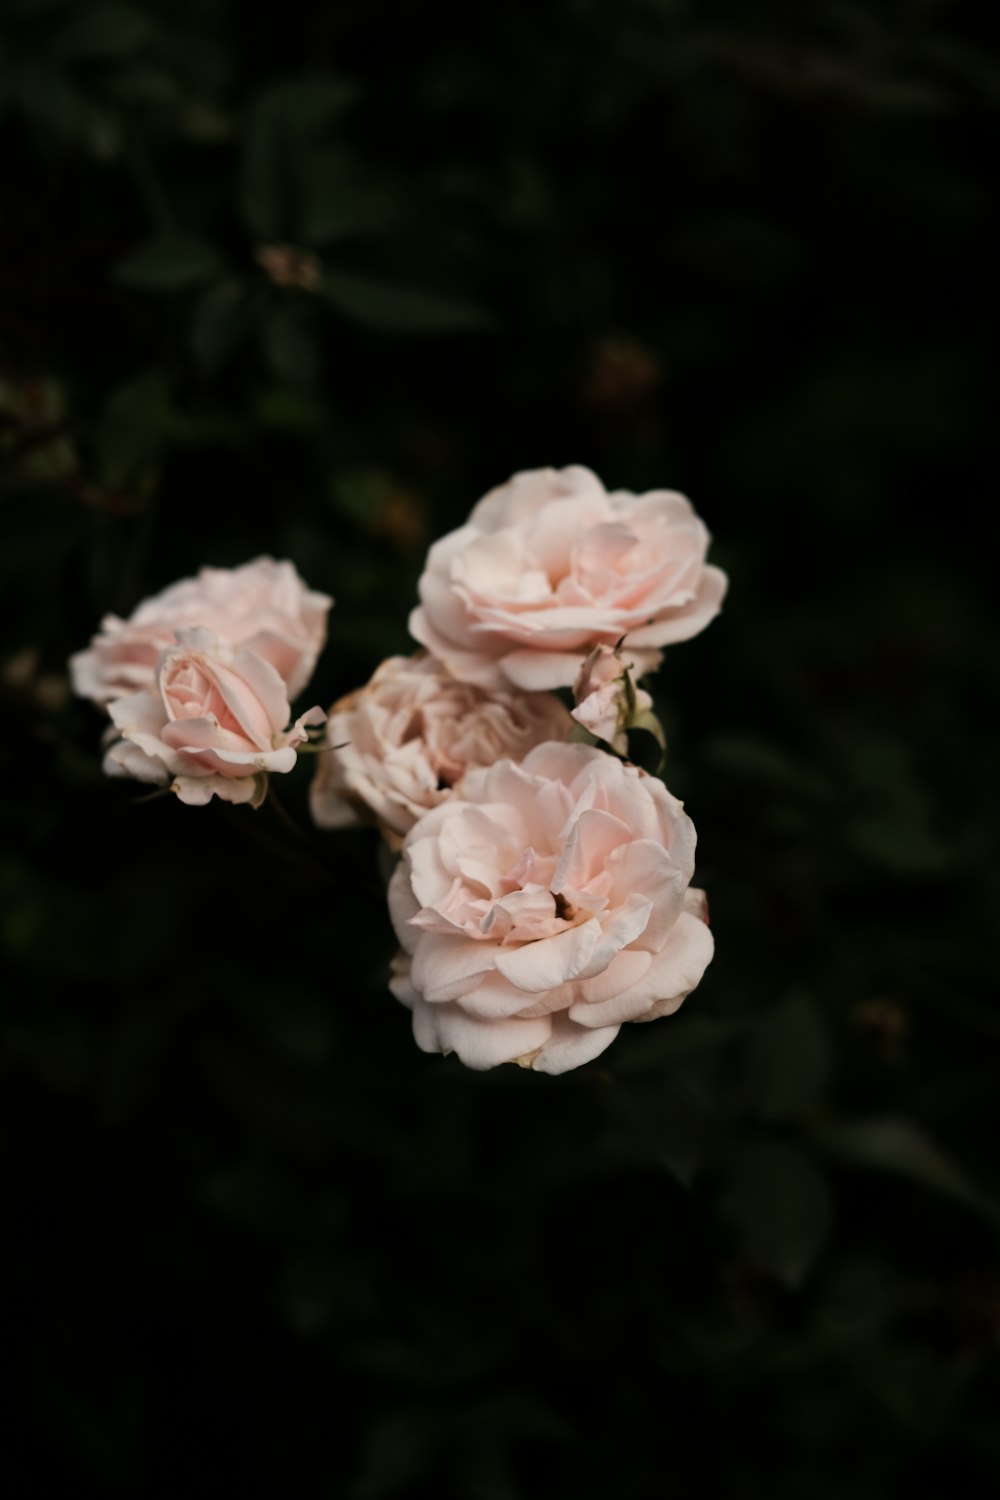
point(251, 1233)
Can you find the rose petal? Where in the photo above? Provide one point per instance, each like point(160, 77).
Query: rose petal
point(571, 1046)
point(550, 961)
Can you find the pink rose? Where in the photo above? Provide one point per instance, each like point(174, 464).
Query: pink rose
point(551, 565)
point(212, 723)
point(608, 703)
point(263, 607)
point(411, 733)
point(543, 905)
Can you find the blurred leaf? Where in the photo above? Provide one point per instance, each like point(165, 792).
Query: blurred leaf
point(334, 206)
point(398, 1449)
point(902, 846)
point(398, 309)
point(757, 761)
point(291, 344)
point(283, 121)
point(899, 1146)
point(652, 1046)
point(778, 1204)
point(788, 1060)
point(223, 319)
point(103, 31)
point(56, 107)
point(169, 263)
point(286, 409)
point(132, 429)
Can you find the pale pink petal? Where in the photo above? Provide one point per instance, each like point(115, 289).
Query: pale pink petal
point(678, 969)
point(538, 671)
point(493, 996)
point(624, 972)
point(123, 758)
point(197, 790)
point(445, 967)
point(622, 926)
point(550, 961)
point(571, 1046)
point(403, 906)
point(484, 1044)
point(592, 838)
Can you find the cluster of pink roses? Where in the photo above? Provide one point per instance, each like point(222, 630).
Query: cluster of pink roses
point(541, 894)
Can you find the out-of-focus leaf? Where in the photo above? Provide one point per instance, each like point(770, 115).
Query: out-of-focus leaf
point(778, 1204)
point(336, 207)
point(223, 318)
point(291, 346)
point(133, 429)
point(893, 1144)
point(283, 122)
point(399, 309)
point(54, 105)
point(758, 762)
point(169, 263)
point(397, 1452)
point(103, 31)
point(788, 1060)
point(651, 1047)
point(286, 409)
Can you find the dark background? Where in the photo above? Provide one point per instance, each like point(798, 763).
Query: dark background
point(250, 1233)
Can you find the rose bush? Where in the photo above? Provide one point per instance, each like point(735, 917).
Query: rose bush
point(263, 607)
point(550, 565)
point(399, 744)
point(212, 723)
point(542, 906)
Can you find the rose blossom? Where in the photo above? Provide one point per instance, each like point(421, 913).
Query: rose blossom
point(263, 606)
point(550, 565)
point(543, 905)
point(400, 743)
point(212, 723)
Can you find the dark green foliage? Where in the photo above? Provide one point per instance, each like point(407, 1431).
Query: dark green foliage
point(309, 282)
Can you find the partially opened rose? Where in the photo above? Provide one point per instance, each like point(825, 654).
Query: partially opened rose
point(399, 744)
point(550, 565)
point(263, 606)
point(213, 723)
point(608, 703)
point(543, 905)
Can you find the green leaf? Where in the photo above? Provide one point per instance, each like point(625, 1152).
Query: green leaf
point(223, 319)
point(334, 207)
point(169, 263)
point(397, 1452)
point(894, 1144)
point(132, 430)
point(283, 122)
point(788, 1060)
point(777, 1203)
point(103, 31)
point(398, 309)
point(307, 104)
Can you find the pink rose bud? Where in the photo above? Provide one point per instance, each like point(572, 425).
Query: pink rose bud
point(212, 723)
point(608, 703)
point(287, 265)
